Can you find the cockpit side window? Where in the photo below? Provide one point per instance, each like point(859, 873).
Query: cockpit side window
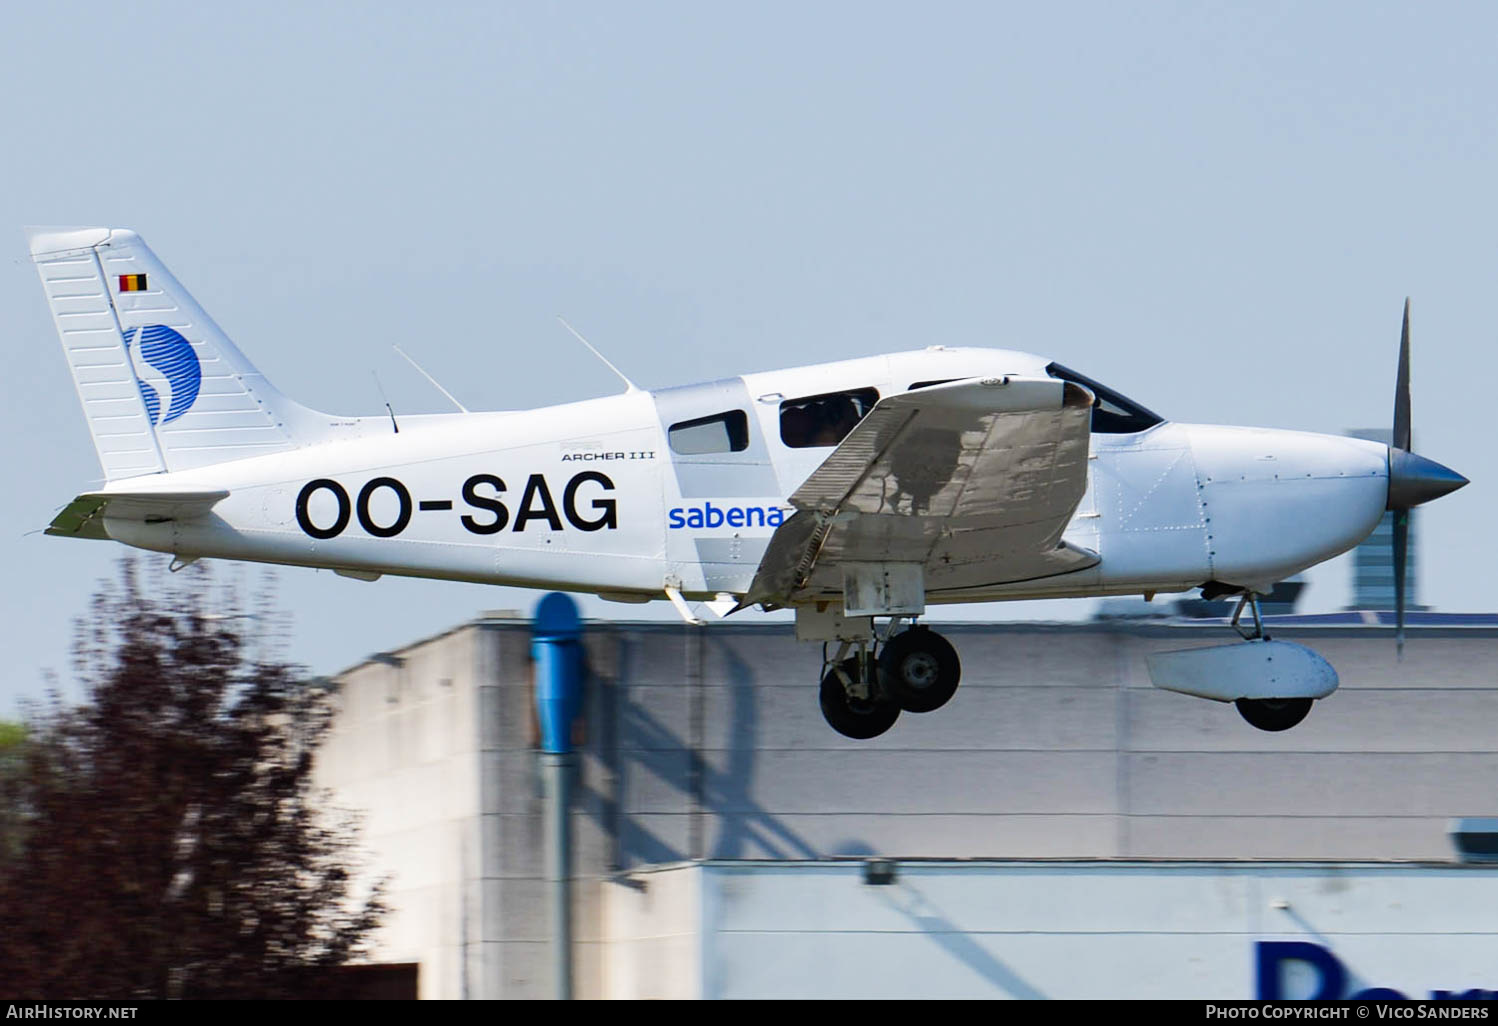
point(1112, 414)
point(824, 420)
point(722, 432)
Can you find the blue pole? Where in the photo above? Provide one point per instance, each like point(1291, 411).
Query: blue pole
point(556, 647)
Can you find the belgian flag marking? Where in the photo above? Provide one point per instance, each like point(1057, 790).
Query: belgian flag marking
point(132, 283)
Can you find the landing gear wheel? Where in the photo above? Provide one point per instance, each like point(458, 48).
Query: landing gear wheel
point(1274, 713)
point(860, 718)
point(919, 669)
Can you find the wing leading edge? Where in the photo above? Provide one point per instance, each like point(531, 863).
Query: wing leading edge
point(974, 481)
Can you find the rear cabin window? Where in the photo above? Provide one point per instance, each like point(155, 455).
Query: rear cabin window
point(722, 432)
point(824, 420)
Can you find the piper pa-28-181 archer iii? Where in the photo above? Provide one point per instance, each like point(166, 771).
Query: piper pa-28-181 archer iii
point(855, 493)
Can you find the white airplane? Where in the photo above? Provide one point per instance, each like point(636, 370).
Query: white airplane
point(851, 492)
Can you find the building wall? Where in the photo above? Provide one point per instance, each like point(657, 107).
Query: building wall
point(435, 745)
point(1056, 745)
point(707, 743)
point(1103, 930)
point(656, 943)
point(403, 754)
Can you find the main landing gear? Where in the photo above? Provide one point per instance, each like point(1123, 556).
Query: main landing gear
point(863, 693)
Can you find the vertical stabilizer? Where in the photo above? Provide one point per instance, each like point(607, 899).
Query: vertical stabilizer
point(162, 387)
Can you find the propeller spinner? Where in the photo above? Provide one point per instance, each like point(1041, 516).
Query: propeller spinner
point(1412, 479)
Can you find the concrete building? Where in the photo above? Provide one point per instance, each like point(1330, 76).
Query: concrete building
point(1083, 930)
point(705, 746)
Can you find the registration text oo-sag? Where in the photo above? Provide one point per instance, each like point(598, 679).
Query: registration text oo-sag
point(856, 493)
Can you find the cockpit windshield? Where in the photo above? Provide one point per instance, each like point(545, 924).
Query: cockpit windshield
point(1112, 414)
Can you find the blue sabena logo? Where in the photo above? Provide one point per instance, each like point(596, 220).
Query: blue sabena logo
point(178, 373)
point(710, 516)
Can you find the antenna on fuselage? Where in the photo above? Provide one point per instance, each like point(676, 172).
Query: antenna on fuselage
point(379, 388)
point(433, 380)
point(630, 386)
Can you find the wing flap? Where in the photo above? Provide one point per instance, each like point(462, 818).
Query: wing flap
point(975, 479)
point(968, 448)
point(84, 516)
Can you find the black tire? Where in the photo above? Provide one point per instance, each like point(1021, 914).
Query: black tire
point(920, 670)
point(1274, 714)
point(858, 718)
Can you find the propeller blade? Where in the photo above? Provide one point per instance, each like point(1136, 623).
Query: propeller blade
point(1402, 387)
point(1401, 552)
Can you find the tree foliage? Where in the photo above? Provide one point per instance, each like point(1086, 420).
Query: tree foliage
point(12, 763)
point(170, 839)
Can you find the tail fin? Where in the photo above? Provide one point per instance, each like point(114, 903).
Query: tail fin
point(162, 387)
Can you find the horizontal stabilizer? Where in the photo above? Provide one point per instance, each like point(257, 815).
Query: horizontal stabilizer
point(84, 516)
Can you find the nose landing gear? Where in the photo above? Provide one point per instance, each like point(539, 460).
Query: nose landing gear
point(1271, 714)
point(1272, 683)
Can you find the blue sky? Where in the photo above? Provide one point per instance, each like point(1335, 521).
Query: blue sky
point(1217, 210)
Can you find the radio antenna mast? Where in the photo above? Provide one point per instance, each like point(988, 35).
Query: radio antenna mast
point(422, 371)
point(630, 386)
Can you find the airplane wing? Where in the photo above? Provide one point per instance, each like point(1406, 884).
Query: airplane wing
point(973, 481)
point(84, 516)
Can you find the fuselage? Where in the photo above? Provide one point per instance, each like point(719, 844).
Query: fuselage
point(626, 495)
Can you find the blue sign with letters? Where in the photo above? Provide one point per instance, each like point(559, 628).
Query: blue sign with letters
point(1331, 977)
